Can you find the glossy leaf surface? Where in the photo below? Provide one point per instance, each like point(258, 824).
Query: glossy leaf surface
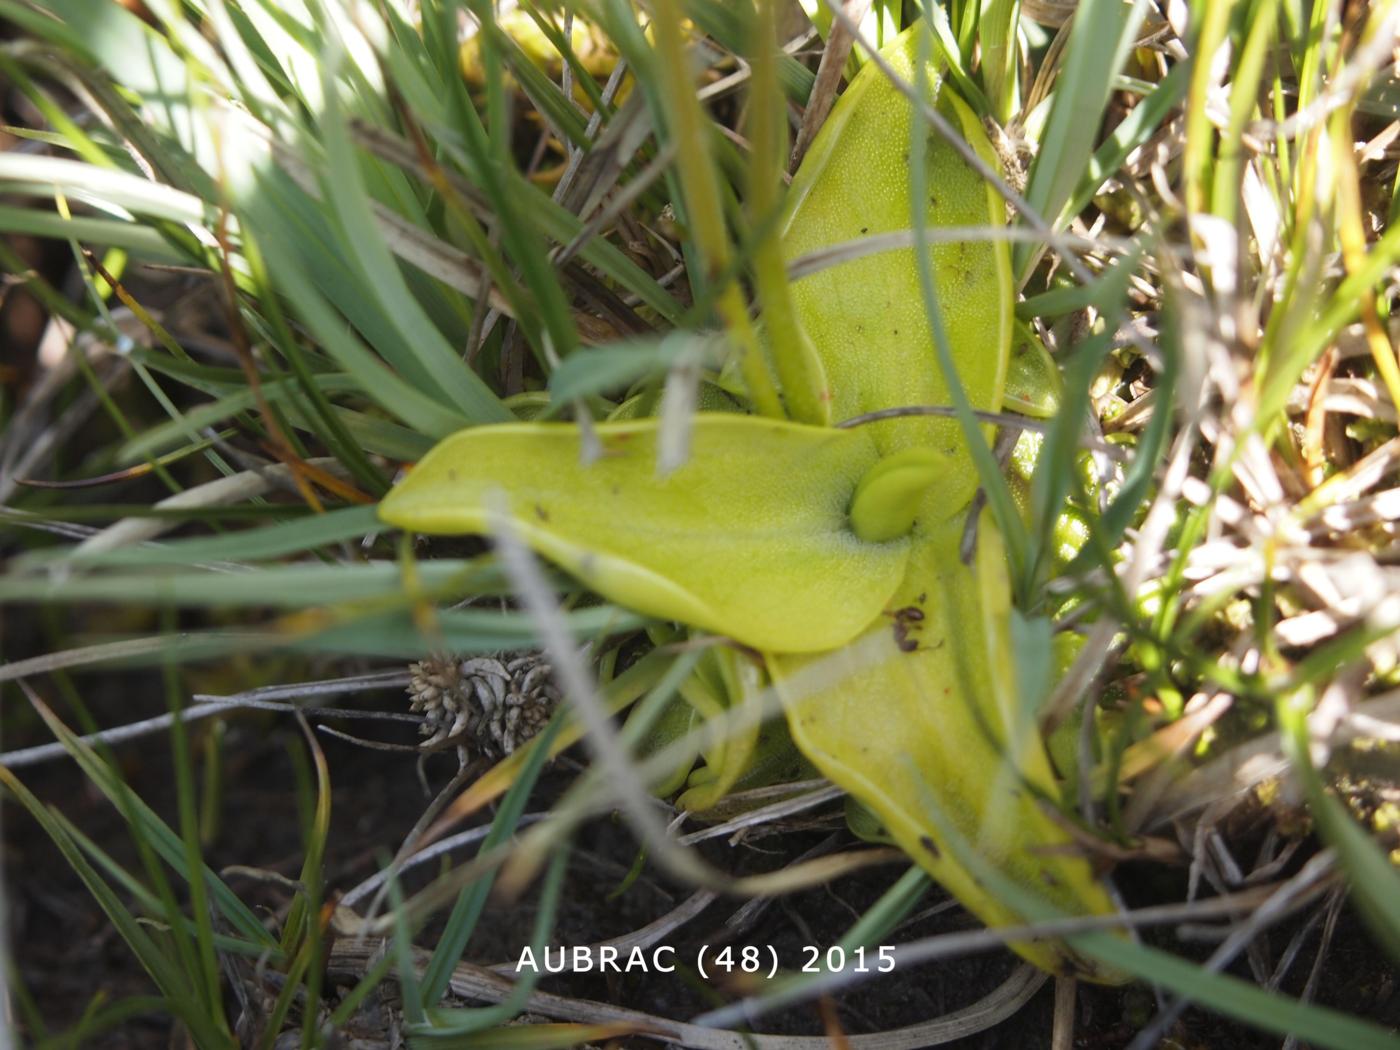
point(921, 709)
point(866, 316)
point(750, 538)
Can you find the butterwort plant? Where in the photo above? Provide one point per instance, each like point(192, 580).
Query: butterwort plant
point(834, 557)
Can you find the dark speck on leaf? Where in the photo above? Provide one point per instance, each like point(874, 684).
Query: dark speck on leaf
point(865, 229)
point(929, 845)
point(541, 513)
point(451, 473)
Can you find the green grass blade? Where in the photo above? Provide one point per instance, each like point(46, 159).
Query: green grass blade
point(379, 277)
point(143, 242)
point(331, 427)
point(399, 635)
point(1133, 131)
point(1008, 517)
point(1056, 469)
point(180, 997)
point(187, 808)
point(999, 55)
point(103, 187)
point(1234, 997)
point(143, 897)
point(723, 22)
point(271, 541)
point(472, 900)
point(161, 437)
point(419, 410)
point(605, 369)
point(276, 586)
point(1372, 878)
point(449, 1023)
point(504, 187)
point(539, 88)
point(1099, 42)
point(155, 831)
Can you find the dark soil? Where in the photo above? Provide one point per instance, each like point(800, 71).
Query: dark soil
point(68, 955)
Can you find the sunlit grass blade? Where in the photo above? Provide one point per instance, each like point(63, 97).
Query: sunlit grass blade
point(1132, 132)
point(999, 59)
point(806, 396)
point(1099, 42)
point(142, 242)
point(412, 406)
point(702, 193)
point(377, 275)
point(103, 187)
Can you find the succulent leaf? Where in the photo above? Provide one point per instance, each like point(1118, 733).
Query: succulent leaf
point(888, 497)
point(750, 538)
point(866, 315)
point(922, 707)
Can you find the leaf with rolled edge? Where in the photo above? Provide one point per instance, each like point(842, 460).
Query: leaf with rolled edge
point(921, 708)
point(866, 316)
point(750, 538)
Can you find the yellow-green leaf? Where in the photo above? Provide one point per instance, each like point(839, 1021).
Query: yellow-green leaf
point(1033, 380)
point(922, 707)
point(889, 496)
point(750, 538)
point(866, 316)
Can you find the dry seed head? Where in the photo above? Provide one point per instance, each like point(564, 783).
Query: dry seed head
point(494, 703)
